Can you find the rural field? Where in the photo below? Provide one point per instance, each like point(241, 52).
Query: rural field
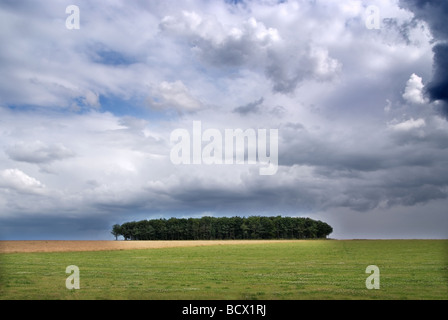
point(224, 270)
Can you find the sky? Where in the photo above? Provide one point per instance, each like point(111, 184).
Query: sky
point(90, 98)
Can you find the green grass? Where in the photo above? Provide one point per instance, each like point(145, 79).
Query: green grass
point(409, 269)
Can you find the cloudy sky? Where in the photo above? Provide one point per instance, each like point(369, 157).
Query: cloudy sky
point(359, 98)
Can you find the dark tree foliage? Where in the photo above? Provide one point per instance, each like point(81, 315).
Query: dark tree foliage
point(223, 228)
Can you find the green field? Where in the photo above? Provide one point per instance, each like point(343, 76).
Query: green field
point(315, 269)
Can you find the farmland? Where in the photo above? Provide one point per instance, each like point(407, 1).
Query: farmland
point(263, 270)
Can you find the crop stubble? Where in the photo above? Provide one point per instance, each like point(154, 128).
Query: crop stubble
point(17, 246)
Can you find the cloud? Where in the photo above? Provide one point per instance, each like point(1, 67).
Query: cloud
point(219, 45)
point(90, 99)
point(437, 88)
point(252, 107)
point(252, 45)
point(16, 180)
point(174, 95)
point(408, 125)
point(435, 13)
point(413, 92)
point(50, 66)
point(38, 152)
point(312, 63)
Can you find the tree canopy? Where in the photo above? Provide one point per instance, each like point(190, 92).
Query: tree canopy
point(223, 228)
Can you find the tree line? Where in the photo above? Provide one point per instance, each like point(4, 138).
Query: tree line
point(223, 228)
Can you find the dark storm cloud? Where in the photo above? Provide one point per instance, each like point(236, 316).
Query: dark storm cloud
point(260, 195)
point(435, 13)
point(362, 172)
point(437, 89)
point(387, 150)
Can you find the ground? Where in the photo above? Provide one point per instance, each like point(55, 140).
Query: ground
point(81, 245)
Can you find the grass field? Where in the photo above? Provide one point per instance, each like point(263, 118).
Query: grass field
point(315, 269)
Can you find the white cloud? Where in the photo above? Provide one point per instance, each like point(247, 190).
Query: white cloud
point(14, 179)
point(174, 95)
point(193, 25)
point(91, 99)
point(324, 67)
point(409, 125)
point(413, 92)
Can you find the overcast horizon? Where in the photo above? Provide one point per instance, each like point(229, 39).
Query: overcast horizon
point(359, 98)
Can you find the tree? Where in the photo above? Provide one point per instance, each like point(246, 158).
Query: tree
point(210, 228)
point(116, 231)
